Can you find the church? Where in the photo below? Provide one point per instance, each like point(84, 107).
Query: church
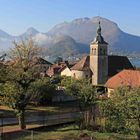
point(98, 65)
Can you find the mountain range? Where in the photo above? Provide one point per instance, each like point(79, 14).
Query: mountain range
point(71, 38)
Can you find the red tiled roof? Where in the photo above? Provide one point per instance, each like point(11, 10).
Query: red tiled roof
point(56, 69)
point(83, 64)
point(129, 78)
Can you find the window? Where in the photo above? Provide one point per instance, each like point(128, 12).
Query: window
point(92, 51)
point(95, 51)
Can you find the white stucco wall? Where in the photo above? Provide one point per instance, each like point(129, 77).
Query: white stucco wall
point(110, 92)
point(80, 74)
point(66, 72)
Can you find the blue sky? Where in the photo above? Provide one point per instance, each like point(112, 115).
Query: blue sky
point(18, 15)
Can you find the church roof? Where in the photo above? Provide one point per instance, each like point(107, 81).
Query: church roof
point(115, 64)
point(129, 78)
point(118, 63)
point(82, 65)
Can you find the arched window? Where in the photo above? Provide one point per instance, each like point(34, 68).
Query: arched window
point(92, 51)
point(95, 51)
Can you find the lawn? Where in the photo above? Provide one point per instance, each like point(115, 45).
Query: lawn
point(71, 132)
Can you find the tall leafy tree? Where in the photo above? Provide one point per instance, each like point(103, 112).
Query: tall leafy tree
point(15, 92)
point(86, 95)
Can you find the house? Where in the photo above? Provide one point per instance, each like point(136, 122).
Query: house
point(129, 78)
point(81, 69)
point(66, 72)
point(41, 64)
point(57, 68)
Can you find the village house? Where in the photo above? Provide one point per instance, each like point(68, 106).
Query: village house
point(57, 68)
point(81, 69)
point(41, 65)
point(127, 78)
point(66, 72)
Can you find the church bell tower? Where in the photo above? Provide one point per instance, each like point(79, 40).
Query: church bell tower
point(99, 59)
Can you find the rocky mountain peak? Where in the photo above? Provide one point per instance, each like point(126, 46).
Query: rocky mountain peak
point(31, 31)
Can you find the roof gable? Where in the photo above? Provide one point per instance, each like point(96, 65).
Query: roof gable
point(129, 78)
point(82, 65)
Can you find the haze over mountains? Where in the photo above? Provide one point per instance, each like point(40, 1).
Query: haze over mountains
point(70, 38)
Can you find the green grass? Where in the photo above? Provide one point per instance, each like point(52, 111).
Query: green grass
point(72, 133)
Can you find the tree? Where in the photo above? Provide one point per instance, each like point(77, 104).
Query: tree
point(85, 93)
point(15, 92)
point(3, 72)
point(122, 110)
point(133, 106)
point(43, 91)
